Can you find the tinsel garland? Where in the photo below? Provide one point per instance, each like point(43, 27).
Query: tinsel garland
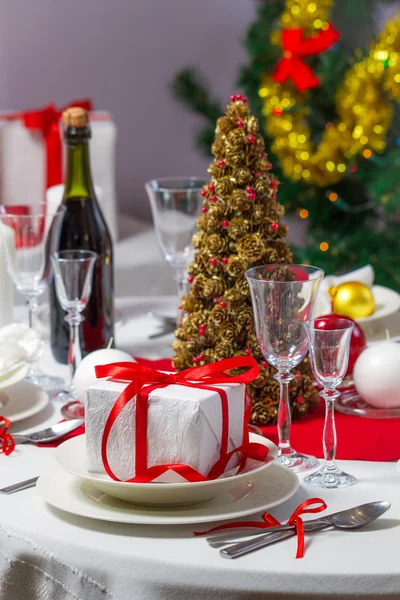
point(362, 103)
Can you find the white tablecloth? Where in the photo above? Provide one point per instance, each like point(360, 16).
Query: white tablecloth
point(46, 554)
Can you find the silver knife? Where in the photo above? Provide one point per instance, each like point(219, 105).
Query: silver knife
point(22, 485)
point(218, 542)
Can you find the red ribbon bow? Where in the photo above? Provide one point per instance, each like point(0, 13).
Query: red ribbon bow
point(295, 47)
point(46, 120)
point(198, 377)
point(270, 521)
point(7, 443)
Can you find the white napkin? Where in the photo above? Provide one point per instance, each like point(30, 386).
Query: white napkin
point(364, 275)
point(18, 345)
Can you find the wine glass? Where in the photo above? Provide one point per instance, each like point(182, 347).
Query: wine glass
point(73, 271)
point(175, 204)
point(283, 298)
point(30, 234)
point(329, 343)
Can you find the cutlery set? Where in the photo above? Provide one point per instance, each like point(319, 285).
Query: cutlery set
point(351, 518)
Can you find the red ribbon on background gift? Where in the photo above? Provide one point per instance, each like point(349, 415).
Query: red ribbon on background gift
point(198, 377)
point(7, 443)
point(46, 120)
point(295, 47)
point(270, 521)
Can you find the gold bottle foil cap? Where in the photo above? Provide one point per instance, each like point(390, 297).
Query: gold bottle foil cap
point(75, 116)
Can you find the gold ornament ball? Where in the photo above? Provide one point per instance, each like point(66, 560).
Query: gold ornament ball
point(352, 299)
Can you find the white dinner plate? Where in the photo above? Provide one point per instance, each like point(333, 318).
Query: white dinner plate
point(24, 400)
point(387, 302)
point(71, 457)
point(259, 493)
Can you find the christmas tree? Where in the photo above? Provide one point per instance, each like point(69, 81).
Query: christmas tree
point(239, 228)
point(331, 124)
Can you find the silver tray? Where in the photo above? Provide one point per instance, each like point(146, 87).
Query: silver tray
point(351, 403)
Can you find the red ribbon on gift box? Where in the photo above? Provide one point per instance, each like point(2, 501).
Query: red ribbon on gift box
point(198, 377)
point(46, 120)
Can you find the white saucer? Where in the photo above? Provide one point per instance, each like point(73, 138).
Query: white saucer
point(71, 457)
point(24, 400)
point(13, 377)
point(259, 493)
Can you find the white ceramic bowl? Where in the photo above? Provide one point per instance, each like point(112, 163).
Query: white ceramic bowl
point(71, 457)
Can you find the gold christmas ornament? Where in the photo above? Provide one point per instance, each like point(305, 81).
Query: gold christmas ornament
point(239, 228)
point(362, 103)
point(352, 299)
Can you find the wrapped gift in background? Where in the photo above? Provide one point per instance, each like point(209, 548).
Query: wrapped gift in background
point(183, 427)
point(32, 156)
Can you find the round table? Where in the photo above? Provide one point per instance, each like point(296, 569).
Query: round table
point(47, 554)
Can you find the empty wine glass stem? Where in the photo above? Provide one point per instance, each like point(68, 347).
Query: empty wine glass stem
point(329, 435)
point(74, 319)
point(181, 279)
point(284, 414)
point(32, 302)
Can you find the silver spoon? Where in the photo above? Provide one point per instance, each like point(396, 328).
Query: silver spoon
point(345, 519)
point(51, 434)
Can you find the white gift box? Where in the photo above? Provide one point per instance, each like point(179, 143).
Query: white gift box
point(23, 164)
point(184, 426)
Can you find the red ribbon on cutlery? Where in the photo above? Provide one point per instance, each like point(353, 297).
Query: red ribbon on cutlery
point(143, 380)
point(7, 444)
point(270, 521)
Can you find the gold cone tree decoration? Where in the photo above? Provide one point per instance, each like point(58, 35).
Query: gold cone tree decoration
point(239, 228)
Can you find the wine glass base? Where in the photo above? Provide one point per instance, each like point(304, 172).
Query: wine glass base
point(297, 462)
point(73, 409)
point(50, 384)
point(330, 479)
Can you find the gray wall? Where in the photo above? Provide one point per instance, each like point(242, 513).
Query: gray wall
point(123, 54)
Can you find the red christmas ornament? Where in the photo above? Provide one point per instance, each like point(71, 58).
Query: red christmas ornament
point(223, 304)
point(265, 364)
point(274, 184)
point(211, 187)
point(358, 341)
point(300, 400)
point(251, 139)
point(301, 274)
point(295, 48)
point(213, 198)
point(274, 197)
point(269, 166)
point(264, 154)
point(222, 163)
point(274, 226)
point(259, 174)
point(249, 189)
point(203, 193)
point(201, 356)
point(225, 260)
point(203, 209)
point(239, 123)
point(188, 339)
point(225, 223)
point(190, 279)
point(252, 196)
point(247, 351)
point(213, 261)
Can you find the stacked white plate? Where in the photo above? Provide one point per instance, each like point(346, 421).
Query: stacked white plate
point(70, 487)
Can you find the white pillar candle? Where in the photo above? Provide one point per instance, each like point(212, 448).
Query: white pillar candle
point(6, 285)
point(377, 375)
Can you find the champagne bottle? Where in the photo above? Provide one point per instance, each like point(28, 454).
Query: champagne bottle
point(83, 228)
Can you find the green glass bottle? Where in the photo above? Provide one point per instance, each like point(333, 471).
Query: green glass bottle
point(83, 228)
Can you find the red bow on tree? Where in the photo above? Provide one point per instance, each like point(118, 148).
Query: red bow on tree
point(295, 47)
